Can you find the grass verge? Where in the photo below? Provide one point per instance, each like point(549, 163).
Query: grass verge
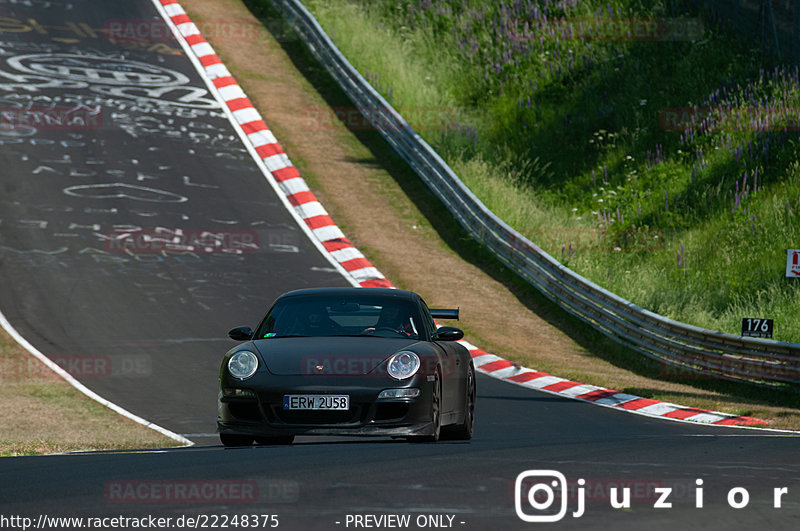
point(43, 414)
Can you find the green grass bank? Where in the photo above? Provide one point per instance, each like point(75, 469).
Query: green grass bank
point(647, 149)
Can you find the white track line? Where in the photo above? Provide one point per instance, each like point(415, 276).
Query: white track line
point(82, 388)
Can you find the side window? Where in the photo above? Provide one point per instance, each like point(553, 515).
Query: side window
point(426, 316)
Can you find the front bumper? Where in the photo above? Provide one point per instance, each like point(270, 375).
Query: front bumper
point(258, 408)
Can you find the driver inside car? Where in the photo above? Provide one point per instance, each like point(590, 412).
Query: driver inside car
point(395, 319)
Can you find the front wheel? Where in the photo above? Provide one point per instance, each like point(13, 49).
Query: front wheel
point(436, 414)
point(465, 430)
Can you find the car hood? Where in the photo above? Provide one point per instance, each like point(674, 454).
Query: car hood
point(343, 356)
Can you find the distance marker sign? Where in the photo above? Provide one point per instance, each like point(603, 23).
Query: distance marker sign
point(757, 327)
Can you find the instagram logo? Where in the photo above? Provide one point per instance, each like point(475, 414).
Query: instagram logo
point(537, 491)
point(542, 495)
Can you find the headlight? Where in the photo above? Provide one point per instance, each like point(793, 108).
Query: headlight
point(403, 365)
point(242, 364)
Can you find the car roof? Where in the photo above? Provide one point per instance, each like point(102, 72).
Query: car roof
point(381, 292)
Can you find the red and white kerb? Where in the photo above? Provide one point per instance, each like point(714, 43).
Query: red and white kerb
point(367, 275)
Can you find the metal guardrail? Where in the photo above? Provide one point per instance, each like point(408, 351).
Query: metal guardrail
point(678, 346)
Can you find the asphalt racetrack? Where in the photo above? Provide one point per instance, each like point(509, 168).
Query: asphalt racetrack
point(141, 147)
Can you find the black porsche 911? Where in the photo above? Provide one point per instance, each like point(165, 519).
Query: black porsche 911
point(347, 361)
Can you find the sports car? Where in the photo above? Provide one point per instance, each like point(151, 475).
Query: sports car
point(347, 361)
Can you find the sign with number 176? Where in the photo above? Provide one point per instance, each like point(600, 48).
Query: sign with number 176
point(757, 327)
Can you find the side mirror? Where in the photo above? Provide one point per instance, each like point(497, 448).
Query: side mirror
point(241, 333)
point(447, 333)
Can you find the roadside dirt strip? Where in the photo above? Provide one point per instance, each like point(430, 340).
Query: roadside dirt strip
point(366, 274)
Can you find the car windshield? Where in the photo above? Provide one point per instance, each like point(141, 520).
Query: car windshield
point(327, 315)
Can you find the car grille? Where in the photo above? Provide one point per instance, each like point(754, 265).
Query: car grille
point(280, 415)
point(245, 410)
point(390, 411)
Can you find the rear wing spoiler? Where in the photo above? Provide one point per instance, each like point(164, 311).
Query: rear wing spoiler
point(441, 313)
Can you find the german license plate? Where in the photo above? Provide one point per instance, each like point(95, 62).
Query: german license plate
point(316, 402)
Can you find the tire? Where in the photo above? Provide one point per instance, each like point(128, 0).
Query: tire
point(234, 439)
point(436, 414)
point(278, 440)
point(464, 431)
